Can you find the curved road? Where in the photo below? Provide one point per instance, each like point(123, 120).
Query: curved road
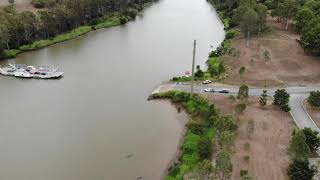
point(297, 94)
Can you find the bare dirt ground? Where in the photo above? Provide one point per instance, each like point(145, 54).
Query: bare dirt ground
point(20, 5)
point(313, 112)
point(288, 65)
point(263, 150)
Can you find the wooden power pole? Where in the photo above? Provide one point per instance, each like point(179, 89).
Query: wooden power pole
point(193, 62)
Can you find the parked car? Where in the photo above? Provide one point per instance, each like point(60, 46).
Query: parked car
point(224, 91)
point(206, 82)
point(209, 90)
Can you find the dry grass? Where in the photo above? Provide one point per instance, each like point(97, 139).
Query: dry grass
point(288, 65)
point(262, 139)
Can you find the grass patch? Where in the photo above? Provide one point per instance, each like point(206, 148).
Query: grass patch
point(12, 53)
point(109, 22)
point(59, 38)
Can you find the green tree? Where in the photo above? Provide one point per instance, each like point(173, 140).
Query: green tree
point(310, 37)
point(313, 5)
point(303, 18)
point(243, 92)
point(4, 38)
point(224, 165)
point(248, 3)
point(199, 73)
point(298, 146)
point(281, 99)
point(248, 24)
point(287, 10)
point(312, 139)
point(262, 11)
point(299, 170)
point(263, 98)
point(314, 98)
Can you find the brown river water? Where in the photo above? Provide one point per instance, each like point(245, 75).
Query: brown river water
point(96, 123)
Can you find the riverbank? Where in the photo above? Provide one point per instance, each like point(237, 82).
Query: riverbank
point(104, 22)
point(203, 140)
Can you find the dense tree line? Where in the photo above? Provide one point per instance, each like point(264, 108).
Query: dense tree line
point(58, 16)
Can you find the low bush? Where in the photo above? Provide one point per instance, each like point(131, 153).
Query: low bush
point(131, 12)
point(230, 34)
point(205, 148)
point(314, 99)
point(226, 23)
point(299, 169)
point(213, 66)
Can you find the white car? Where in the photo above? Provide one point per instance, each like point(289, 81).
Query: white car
point(206, 82)
point(209, 90)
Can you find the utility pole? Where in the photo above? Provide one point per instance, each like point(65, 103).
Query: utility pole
point(193, 62)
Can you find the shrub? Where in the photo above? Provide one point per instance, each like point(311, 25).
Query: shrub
point(213, 64)
point(299, 170)
point(205, 148)
point(190, 143)
point(242, 70)
point(241, 107)
point(298, 146)
point(196, 127)
point(312, 139)
point(131, 12)
point(230, 34)
point(314, 99)
point(243, 172)
point(226, 23)
point(263, 98)
point(199, 74)
point(243, 92)
point(281, 99)
point(123, 20)
point(246, 158)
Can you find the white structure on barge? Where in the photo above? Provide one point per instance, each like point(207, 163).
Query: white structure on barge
point(24, 71)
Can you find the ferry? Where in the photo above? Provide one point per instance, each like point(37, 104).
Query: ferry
point(24, 71)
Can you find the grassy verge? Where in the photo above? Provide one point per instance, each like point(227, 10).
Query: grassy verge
point(203, 133)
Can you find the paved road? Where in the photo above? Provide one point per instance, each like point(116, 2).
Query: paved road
point(297, 94)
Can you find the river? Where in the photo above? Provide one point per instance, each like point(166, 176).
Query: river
point(96, 123)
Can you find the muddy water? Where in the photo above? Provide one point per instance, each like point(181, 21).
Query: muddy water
point(95, 122)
